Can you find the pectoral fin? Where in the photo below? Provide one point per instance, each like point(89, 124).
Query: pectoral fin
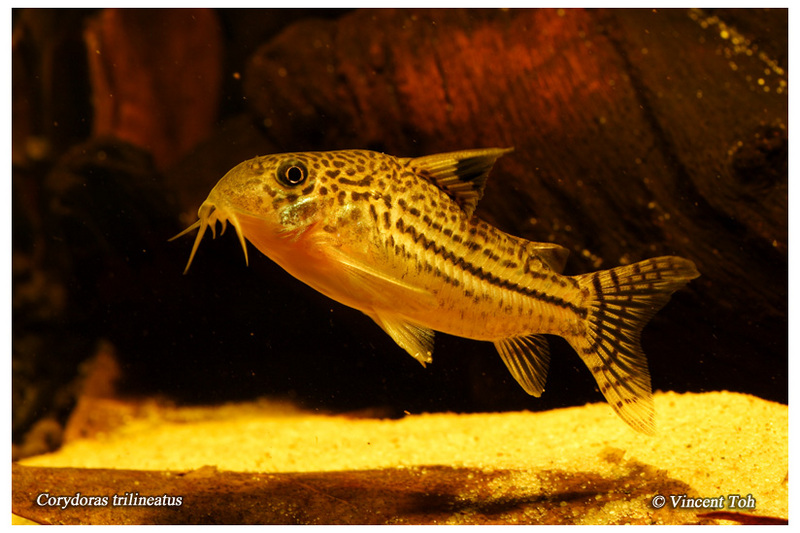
point(527, 358)
point(416, 340)
point(385, 291)
point(382, 286)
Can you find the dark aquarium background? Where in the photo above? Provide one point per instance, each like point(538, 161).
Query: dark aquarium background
point(638, 133)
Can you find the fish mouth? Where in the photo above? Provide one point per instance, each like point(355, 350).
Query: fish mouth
point(208, 216)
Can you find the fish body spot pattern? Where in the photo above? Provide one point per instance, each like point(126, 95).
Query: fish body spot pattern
point(396, 238)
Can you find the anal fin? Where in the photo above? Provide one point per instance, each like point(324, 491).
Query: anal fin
point(416, 340)
point(527, 358)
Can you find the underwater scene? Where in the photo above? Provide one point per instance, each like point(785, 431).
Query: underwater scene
point(399, 266)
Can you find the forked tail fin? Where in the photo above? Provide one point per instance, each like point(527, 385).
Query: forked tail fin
point(622, 301)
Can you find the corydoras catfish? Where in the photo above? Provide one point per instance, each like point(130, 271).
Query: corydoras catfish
point(396, 239)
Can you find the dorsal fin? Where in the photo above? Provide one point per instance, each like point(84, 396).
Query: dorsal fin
point(462, 174)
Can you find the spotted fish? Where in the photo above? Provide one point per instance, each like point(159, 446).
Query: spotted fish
point(396, 239)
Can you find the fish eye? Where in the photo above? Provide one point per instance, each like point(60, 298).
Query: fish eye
point(292, 173)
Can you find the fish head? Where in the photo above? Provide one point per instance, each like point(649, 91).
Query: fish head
point(271, 201)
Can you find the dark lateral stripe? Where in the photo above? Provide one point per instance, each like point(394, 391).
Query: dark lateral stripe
point(488, 277)
point(488, 250)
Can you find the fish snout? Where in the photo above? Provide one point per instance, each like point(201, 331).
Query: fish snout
point(208, 215)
